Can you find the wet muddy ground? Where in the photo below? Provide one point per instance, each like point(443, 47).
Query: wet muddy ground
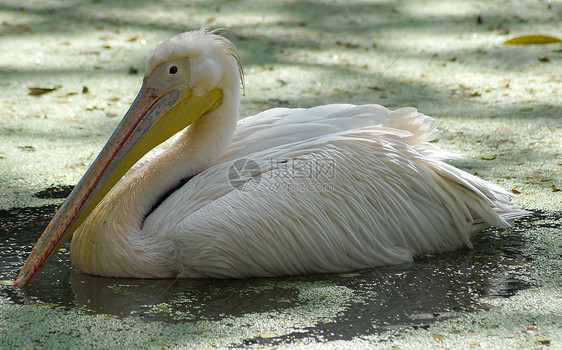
point(322, 308)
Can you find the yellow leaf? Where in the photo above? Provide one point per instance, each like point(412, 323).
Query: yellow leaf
point(533, 39)
point(268, 335)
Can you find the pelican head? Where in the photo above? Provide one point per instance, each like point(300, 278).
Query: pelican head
point(188, 78)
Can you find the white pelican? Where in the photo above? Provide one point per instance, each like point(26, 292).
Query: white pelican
point(340, 187)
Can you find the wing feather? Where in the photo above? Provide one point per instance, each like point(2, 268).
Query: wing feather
point(387, 198)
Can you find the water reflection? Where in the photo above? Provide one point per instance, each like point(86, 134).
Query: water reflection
point(192, 299)
point(412, 294)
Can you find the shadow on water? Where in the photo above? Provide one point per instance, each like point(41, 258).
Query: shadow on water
point(411, 295)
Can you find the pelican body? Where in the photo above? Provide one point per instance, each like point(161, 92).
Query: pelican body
point(287, 191)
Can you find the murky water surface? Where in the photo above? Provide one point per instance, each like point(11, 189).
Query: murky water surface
point(413, 295)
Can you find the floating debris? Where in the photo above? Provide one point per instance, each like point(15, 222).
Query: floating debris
point(38, 91)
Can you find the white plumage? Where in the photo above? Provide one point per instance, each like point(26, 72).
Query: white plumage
point(330, 188)
point(370, 191)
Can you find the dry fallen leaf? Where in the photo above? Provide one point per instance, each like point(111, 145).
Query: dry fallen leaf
point(530, 330)
point(352, 274)
point(43, 304)
point(514, 191)
point(36, 91)
point(543, 341)
point(136, 37)
point(533, 39)
point(555, 189)
point(506, 131)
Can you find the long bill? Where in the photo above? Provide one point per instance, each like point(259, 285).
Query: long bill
point(153, 117)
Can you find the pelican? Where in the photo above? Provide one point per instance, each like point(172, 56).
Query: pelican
point(288, 191)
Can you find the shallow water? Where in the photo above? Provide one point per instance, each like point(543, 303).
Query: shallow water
point(372, 300)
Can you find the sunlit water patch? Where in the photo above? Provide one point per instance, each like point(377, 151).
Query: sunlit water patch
point(325, 307)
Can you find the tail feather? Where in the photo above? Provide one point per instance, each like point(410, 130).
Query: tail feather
point(488, 204)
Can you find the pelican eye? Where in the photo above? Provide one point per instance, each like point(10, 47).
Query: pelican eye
point(173, 70)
